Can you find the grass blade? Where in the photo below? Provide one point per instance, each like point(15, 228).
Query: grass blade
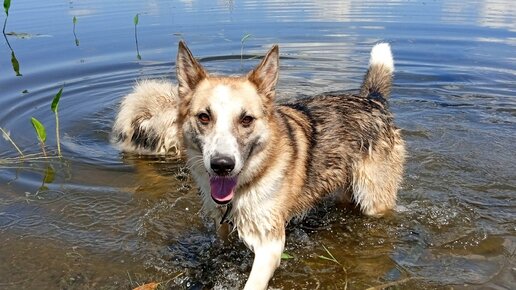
point(331, 255)
point(7, 137)
point(286, 256)
point(242, 41)
point(245, 37)
point(326, 258)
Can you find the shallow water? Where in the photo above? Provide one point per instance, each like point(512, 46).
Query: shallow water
point(101, 219)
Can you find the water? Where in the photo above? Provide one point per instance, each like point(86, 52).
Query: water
point(101, 219)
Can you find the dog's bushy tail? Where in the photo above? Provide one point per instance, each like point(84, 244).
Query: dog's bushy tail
point(378, 79)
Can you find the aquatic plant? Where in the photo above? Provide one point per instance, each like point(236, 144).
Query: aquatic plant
point(14, 60)
point(7, 5)
point(286, 256)
point(54, 106)
point(48, 177)
point(15, 64)
point(242, 41)
point(332, 258)
point(74, 21)
point(136, 20)
point(40, 132)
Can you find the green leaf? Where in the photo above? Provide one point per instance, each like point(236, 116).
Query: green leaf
point(40, 129)
point(286, 256)
point(74, 20)
point(136, 19)
point(7, 4)
point(55, 101)
point(15, 64)
point(245, 37)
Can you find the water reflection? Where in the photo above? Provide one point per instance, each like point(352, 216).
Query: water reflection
point(48, 177)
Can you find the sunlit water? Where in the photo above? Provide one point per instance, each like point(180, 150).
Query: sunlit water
point(99, 219)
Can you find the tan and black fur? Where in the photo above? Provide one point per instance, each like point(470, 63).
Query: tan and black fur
point(286, 159)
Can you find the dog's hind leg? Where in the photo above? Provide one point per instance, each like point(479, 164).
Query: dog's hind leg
point(377, 177)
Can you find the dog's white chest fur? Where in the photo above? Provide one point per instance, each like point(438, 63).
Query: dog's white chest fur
point(253, 213)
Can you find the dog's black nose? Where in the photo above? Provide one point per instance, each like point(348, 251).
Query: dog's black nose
point(222, 165)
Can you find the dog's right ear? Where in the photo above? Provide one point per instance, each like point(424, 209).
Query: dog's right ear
point(189, 71)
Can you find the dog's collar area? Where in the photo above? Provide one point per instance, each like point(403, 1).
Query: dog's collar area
point(224, 218)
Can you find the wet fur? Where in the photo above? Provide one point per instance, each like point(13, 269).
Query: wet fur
point(344, 144)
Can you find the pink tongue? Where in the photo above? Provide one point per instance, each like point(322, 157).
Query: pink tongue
point(222, 188)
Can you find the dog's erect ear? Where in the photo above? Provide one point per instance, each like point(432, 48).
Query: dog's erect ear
point(265, 75)
point(189, 71)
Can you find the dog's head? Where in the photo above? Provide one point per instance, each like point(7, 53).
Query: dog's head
point(226, 119)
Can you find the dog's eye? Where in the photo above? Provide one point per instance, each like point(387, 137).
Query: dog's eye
point(247, 120)
point(204, 118)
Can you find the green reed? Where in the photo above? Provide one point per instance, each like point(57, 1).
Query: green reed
point(242, 42)
point(54, 106)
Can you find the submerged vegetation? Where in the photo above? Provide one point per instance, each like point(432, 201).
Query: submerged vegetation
point(332, 258)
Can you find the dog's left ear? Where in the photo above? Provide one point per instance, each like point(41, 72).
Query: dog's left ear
point(189, 71)
point(265, 75)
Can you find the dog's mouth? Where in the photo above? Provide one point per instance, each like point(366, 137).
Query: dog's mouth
point(222, 188)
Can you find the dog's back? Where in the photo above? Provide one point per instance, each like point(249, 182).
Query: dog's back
point(355, 148)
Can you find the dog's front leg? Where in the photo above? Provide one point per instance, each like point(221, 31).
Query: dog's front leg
point(267, 257)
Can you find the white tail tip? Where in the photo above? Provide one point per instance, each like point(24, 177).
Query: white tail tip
point(381, 55)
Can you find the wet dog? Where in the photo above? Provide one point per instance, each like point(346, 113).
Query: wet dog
point(269, 161)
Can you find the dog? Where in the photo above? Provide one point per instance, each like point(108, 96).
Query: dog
point(269, 162)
